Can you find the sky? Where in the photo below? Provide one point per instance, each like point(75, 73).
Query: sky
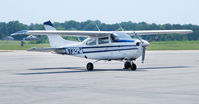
point(107, 11)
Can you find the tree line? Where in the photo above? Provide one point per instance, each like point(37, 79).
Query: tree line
point(13, 26)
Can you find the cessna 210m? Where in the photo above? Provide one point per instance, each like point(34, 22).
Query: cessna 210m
point(100, 45)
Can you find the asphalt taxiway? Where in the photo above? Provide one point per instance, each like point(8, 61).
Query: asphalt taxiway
point(166, 77)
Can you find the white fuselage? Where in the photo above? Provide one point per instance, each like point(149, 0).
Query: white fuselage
point(113, 51)
point(118, 46)
point(109, 51)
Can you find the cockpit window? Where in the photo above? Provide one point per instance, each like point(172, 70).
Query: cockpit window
point(103, 40)
point(91, 42)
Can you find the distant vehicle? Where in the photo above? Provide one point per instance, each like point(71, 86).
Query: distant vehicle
point(100, 45)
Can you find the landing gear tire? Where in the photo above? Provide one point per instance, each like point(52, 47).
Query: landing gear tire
point(90, 66)
point(133, 67)
point(127, 65)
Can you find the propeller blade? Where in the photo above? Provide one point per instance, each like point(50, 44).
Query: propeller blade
point(138, 37)
point(143, 54)
point(143, 46)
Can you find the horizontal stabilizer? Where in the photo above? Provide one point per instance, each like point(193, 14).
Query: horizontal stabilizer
point(42, 49)
point(56, 50)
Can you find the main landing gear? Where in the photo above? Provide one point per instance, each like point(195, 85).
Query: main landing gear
point(90, 66)
point(127, 65)
point(131, 65)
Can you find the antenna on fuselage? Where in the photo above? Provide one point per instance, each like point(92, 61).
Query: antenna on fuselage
point(120, 27)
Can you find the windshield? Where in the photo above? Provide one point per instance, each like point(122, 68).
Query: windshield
point(120, 37)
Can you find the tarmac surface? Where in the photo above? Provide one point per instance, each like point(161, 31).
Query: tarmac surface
point(166, 77)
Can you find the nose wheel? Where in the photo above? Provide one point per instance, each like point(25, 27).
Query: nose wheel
point(130, 65)
point(133, 67)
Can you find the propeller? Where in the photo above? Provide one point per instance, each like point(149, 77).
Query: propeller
point(144, 44)
point(143, 54)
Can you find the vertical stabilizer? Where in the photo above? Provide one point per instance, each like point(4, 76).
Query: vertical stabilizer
point(56, 41)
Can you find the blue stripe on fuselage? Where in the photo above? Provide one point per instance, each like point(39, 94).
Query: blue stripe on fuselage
point(124, 41)
point(125, 47)
point(108, 46)
point(95, 49)
point(110, 50)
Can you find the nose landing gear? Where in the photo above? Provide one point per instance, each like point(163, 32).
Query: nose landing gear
point(133, 67)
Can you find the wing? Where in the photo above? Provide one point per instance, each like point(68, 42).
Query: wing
point(98, 33)
point(159, 32)
point(66, 33)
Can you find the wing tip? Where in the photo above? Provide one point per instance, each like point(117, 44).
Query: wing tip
point(19, 33)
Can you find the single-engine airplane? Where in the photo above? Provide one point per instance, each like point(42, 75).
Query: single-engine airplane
point(100, 45)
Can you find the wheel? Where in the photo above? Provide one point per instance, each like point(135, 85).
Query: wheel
point(133, 67)
point(127, 65)
point(90, 66)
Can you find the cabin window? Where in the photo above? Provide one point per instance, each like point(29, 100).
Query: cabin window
point(91, 42)
point(104, 40)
